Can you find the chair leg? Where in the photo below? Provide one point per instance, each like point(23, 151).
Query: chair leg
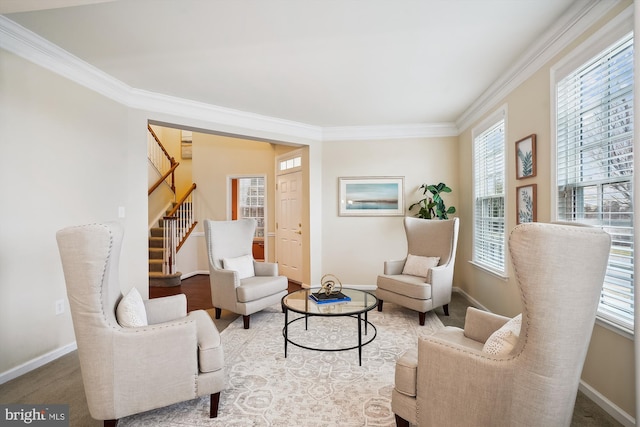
point(215, 401)
point(245, 319)
point(446, 309)
point(401, 422)
point(218, 312)
point(422, 317)
point(380, 302)
point(110, 423)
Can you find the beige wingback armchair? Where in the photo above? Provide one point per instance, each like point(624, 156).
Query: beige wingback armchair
point(127, 370)
point(414, 283)
point(452, 379)
point(238, 282)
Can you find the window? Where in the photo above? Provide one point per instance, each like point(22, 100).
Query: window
point(489, 196)
point(292, 163)
point(251, 201)
point(594, 164)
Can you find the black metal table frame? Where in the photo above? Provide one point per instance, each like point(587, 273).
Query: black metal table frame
point(306, 316)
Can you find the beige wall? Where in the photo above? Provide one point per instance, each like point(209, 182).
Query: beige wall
point(355, 248)
point(609, 366)
point(67, 159)
point(87, 157)
point(171, 140)
point(215, 159)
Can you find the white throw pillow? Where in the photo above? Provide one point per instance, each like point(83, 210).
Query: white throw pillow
point(242, 264)
point(131, 312)
point(420, 266)
point(502, 341)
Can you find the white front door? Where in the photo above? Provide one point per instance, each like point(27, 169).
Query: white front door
point(289, 225)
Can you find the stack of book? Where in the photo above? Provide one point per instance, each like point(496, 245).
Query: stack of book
point(323, 298)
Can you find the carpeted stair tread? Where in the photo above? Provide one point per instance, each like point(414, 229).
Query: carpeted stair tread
point(155, 265)
point(155, 242)
point(156, 253)
point(157, 232)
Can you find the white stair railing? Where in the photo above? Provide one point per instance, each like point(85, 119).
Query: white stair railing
point(161, 160)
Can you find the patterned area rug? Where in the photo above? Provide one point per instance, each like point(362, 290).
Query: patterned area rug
point(307, 388)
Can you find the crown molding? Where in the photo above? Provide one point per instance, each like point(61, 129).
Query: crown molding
point(30, 46)
point(351, 133)
point(580, 16)
point(180, 107)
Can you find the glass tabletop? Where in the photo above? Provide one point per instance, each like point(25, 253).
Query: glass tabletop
point(300, 302)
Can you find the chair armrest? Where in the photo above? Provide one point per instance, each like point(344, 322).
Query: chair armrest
point(265, 268)
point(224, 279)
point(479, 324)
point(147, 359)
point(166, 308)
point(441, 284)
point(443, 367)
point(394, 267)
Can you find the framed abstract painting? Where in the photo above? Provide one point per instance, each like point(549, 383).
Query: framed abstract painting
point(371, 196)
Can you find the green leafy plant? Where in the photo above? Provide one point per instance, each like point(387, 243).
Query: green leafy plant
point(527, 162)
point(433, 206)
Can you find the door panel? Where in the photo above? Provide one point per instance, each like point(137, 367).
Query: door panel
point(289, 228)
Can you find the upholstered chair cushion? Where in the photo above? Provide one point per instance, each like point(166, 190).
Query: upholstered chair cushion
point(410, 286)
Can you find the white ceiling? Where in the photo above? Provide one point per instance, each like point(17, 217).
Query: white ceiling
point(319, 62)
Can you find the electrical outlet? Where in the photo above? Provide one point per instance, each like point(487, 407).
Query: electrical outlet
point(60, 306)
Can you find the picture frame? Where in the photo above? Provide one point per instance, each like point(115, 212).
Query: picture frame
point(371, 196)
point(185, 151)
point(526, 204)
point(526, 157)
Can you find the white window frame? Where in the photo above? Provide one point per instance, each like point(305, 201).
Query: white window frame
point(260, 229)
point(488, 123)
point(610, 34)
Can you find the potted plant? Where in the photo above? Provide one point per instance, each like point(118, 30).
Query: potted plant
point(433, 207)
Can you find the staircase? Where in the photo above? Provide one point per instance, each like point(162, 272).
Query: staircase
point(178, 222)
point(156, 253)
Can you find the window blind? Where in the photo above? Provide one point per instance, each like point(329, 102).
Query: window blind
point(595, 165)
point(489, 210)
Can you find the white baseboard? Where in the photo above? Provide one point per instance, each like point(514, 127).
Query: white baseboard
point(475, 303)
point(608, 406)
point(36, 363)
point(194, 273)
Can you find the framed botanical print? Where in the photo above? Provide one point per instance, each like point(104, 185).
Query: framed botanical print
point(526, 157)
point(526, 204)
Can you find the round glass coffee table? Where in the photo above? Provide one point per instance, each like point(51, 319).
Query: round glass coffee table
point(360, 304)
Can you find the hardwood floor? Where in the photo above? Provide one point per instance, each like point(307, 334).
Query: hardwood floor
point(198, 291)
